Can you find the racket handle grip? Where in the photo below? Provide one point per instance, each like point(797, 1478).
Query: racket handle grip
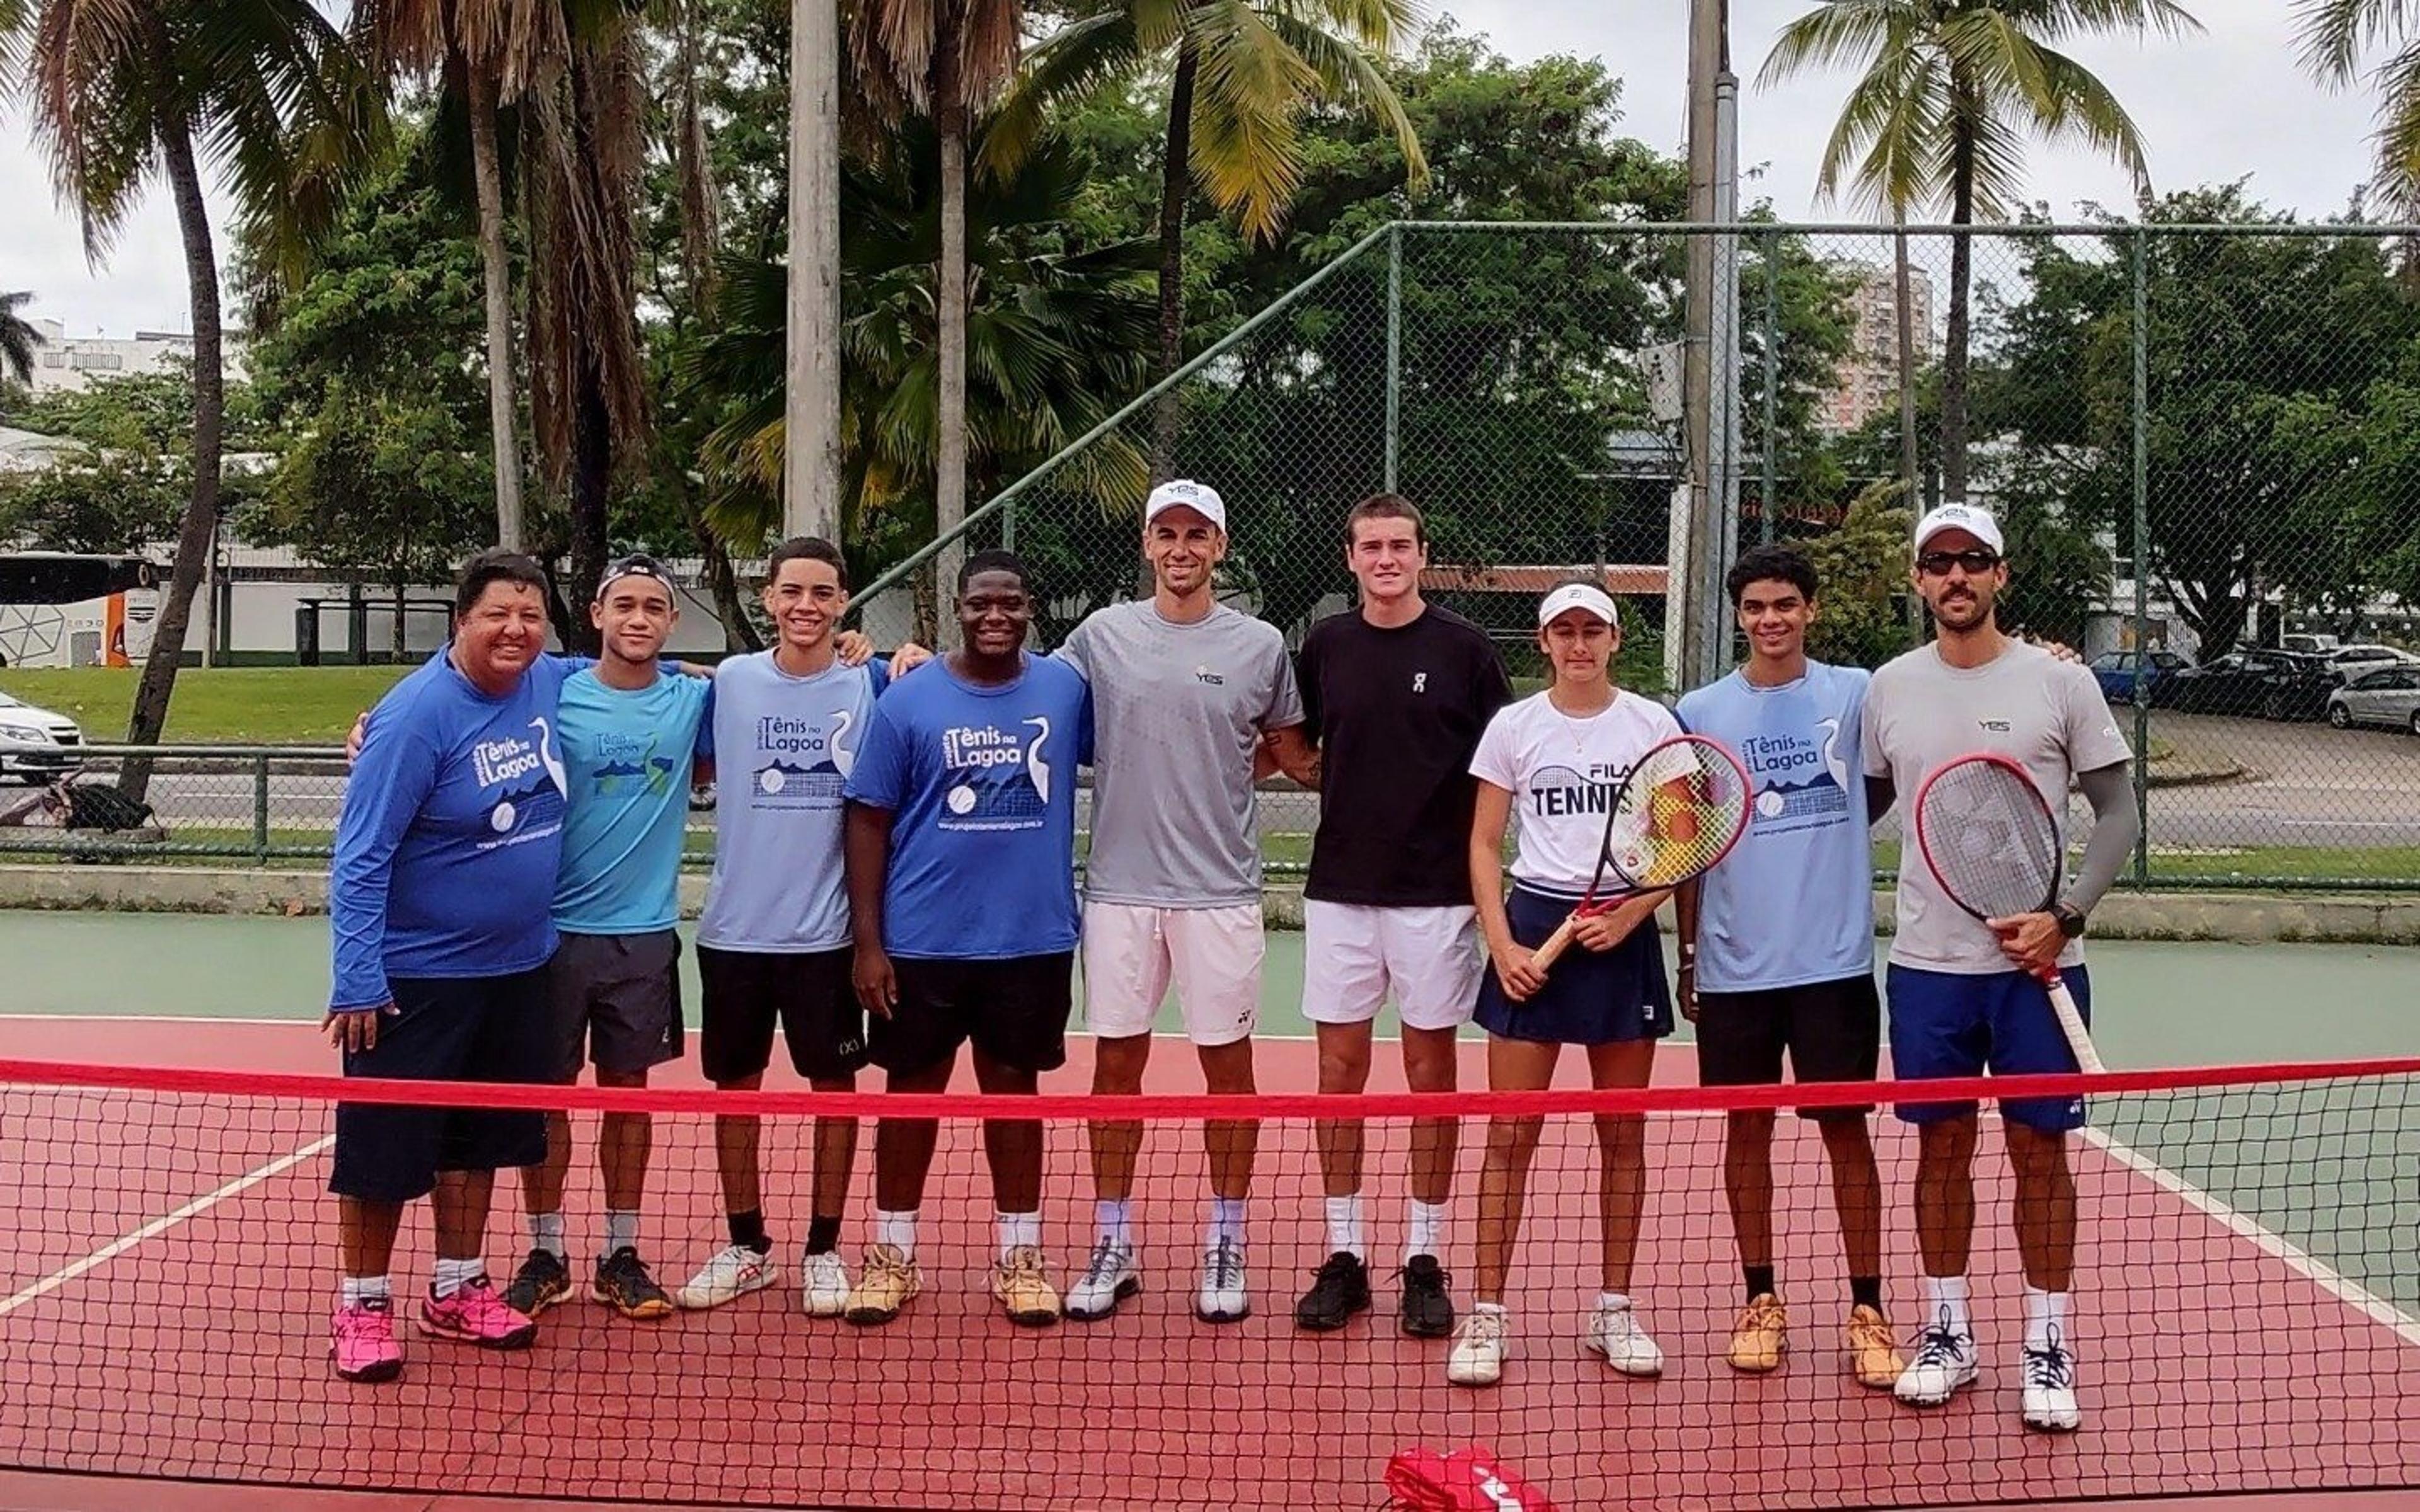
point(2071, 1023)
point(1556, 944)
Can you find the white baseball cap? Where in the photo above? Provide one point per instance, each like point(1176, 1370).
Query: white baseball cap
point(1578, 595)
point(1198, 497)
point(1977, 523)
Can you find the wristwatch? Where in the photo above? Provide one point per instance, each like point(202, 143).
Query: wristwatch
point(2071, 919)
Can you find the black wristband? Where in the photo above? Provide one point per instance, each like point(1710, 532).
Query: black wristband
point(2071, 919)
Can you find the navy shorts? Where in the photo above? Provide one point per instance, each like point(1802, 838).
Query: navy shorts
point(1591, 997)
point(446, 1029)
point(1950, 1023)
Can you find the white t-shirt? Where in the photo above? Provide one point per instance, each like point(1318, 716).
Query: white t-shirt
point(1562, 772)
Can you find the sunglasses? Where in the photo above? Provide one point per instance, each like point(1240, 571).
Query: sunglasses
point(1937, 564)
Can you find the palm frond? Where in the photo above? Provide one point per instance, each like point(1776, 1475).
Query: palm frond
point(2398, 127)
point(1248, 89)
point(1349, 76)
point(1837, 32)
point(2335, 32)
point(1081, 59)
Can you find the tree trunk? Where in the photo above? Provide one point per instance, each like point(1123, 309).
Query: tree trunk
point(1176, 195)
point(1953, 355)
point(721, 582)
point(949, 450)
point(811, 469)
point(592, 490)
point(487, 171)
point(149, 715)
point(1903, 296)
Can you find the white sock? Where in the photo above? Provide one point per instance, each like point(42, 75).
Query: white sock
point(1114, 1217)
point(1226, 1222)
point(621, 1231)
point(1496, 1307)
point(356, 1289)
point(1345, 1225)
point(896, 1229)
point(1612, 1302)
point(546, 1233)
point(2046, 1311)
point(1947, 1294)
point(1018, 1230)
point(1427, 1230)
point(453, 1275)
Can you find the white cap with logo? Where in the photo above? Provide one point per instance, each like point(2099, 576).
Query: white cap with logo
point(1977, 523)
point(1578, 595)
point(1198, 497)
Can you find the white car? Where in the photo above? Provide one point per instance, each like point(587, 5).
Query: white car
point(2388, 695)
point(36, 744)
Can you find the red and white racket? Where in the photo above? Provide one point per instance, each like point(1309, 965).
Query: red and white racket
point(1680, 809)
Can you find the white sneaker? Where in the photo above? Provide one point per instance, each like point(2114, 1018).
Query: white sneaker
point(1114, 1274)
point(733, 1273)
point(827, 1287)
point(2049, 1375)
point(1944, 1361)
point(1223, 1298)
point(1477, 1358)
point(1614, 1332)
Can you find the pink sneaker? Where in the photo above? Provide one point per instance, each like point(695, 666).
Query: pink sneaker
point(475, 1315)
point(364, 1346)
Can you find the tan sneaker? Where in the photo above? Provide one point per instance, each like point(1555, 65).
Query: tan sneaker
point(1761, 1336)
point(890, 1282)
point(1023, 1290)
point(1873, 1349)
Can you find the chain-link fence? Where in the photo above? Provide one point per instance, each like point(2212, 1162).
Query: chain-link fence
point(2203, 443)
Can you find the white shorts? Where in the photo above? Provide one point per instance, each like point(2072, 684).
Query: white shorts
point(1352, 954)
point(1133, 952)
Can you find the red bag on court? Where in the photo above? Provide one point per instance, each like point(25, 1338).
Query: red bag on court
point(1466, 1480)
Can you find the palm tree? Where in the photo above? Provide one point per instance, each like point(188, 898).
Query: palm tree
point(18, 338)
point(1950, 89)
point(124, 91)
point(2336, 35)
point(491, 52)
point(1243, 72)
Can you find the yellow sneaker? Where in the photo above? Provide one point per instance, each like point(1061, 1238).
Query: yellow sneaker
point(1873, 1349)
point(1760, 1335)
point(890, 1282)
point(1023, 1291)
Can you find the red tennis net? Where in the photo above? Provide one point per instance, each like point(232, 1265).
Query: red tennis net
point(2249, 1266)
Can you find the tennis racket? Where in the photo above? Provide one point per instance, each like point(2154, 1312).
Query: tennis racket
point(1680, 809)
point(1993, 845)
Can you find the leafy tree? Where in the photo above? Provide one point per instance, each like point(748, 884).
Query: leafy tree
point(18, 339)
point(1861, 570)
point(127, 482)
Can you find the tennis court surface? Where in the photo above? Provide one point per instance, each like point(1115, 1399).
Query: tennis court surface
point(2250, 1275)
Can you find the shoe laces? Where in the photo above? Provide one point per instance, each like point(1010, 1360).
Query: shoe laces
point(1764, 1312)
point(2051, 1368)
point(1418, 1278)
point(374, 1318)
point(1615, 1323)
point(479, 1299)
point(625, 1265)
point(1108, 1255)
point(1941, 1344)
point(1024, 1263)
point(1222, 1266)
point(1338, 1267)
point(1483, 1327)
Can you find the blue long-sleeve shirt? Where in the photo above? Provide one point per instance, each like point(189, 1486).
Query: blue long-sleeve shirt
point(450, 835)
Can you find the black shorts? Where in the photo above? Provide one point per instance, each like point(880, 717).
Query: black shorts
point(745, 992)
point(445, 1029)
point(1832, 1031)
point(1014, 1011)
point(615, 998)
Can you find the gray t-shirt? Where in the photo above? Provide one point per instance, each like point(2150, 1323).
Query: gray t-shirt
point(1177, 715)
point(1922, 713)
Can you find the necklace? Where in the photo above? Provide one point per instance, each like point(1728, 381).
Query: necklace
point(1575, 730)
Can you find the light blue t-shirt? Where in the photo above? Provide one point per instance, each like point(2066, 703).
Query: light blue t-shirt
point(981, 783)
point(627, 753)
point(782, 747)
point(1794, 902)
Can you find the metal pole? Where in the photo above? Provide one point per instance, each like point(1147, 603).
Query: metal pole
point(1769, 507)
point(2142, 492)
point(1394, 349)
point(1008, 524)
point(260, 807)
point(1729, 397)
point(1695, 534)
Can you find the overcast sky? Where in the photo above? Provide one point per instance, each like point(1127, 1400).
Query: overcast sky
point(2224, 105)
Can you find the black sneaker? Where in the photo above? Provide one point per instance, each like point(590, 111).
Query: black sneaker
point(542, 1281)
point(624, 1285)
point(1341, 1290)
point(1428, 1311)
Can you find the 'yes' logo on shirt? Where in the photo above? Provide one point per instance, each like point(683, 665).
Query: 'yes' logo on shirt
point(1420, 682)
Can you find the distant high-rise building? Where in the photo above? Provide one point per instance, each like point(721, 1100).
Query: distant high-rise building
point(65, 362)
point(1866, 383)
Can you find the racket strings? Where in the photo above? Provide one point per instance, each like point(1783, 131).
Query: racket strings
point(1990, 840)
point(1676, 814)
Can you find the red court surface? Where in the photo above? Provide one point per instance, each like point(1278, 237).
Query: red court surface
point(168, 1261)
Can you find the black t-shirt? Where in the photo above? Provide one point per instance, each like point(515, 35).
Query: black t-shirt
point(1397, 714)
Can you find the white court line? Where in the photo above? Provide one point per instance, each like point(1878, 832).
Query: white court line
point(161, 1224)
point(2343, 1288)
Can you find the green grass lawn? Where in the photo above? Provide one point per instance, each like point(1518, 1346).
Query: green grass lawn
point(257, 705)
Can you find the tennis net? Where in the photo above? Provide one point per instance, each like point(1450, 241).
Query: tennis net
point(2248, 1271)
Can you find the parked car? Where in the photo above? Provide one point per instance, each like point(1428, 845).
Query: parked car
point(2388, 695)
point(2267, 684)
point(2313, 643)
point(2115, 671)
point(2348, 662)
point(35, 744)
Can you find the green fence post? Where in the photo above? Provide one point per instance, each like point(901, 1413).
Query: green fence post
point(1765, 507)
point(260, 808)
point(1394, 346)
point(2142, 494)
